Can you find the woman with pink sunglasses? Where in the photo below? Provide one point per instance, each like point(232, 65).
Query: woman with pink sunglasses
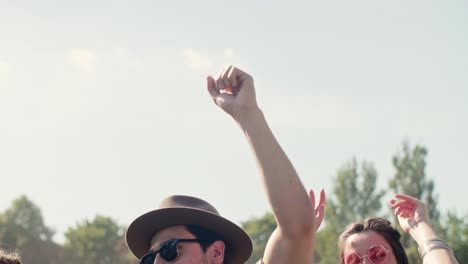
point(375, 241)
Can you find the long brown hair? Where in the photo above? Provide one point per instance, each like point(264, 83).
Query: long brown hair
point(384, 228)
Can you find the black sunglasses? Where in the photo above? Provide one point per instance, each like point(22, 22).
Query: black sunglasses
point(169, 251)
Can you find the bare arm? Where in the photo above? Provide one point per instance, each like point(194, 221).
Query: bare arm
point(294, 211)
point(413, 217)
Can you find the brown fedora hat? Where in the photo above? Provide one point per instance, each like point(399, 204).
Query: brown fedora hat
point(187, 210)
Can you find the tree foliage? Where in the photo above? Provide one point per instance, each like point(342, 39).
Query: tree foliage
point(95, 242)
point(326, 247)
point(354, 194)
point(456, 229)
point(22, 223)
point(22, 228)
point(259, 230)
point(99, 241)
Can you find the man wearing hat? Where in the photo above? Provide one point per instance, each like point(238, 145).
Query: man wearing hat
point(189, 230)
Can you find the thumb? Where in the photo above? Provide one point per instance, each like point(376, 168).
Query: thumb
point(211, 87)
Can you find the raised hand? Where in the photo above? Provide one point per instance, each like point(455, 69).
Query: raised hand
point(414, 219)
point(233, 91)
point(319, 208)
point(410, 211)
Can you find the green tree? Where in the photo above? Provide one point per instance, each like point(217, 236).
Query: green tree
point(22, 229)
point(95, 242)
point(259, 230)
point(22, 223)
point(457, 235)
point(326, 245)
point(354, 196)
point(126, 256)
point(410, 179)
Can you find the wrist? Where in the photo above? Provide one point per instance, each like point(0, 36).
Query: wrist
point(433, 244)
point(422, 232)
point(246, 117)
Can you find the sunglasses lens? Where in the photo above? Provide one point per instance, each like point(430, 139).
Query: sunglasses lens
point(351, 258)
point(377, 254)
point(148, 258)
point(169, 251)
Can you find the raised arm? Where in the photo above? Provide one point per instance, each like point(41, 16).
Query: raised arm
point(294, 211)
point(413, 218)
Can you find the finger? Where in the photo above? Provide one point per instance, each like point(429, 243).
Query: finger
point(320, 210)
point(211, 87)
point(320, 213)
point(322, 198)
point(239, 75)
point(243, 76)
point(409, 209)
point(403, 212)
point(312, 197)
point(225, 78)
point(397, 211)
point(407, 198)
point(402, 203)
point(232, 76)
point(219, 81)
point(403, 215)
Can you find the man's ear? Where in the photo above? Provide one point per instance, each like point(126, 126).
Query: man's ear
point(215, 252)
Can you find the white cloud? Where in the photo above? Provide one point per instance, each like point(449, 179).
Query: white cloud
point(196, 60)
point(4, 67)
point(84, 60)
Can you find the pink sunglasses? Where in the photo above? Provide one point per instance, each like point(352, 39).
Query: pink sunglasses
point(377, 254)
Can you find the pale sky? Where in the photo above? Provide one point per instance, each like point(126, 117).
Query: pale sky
point(103, 108)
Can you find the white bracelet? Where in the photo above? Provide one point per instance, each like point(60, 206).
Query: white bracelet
point(432, 244)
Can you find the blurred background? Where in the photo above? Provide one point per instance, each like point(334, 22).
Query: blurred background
point(103, 112)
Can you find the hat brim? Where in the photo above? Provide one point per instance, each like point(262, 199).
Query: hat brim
point(141, 231)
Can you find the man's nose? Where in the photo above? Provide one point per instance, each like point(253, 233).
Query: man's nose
point(158, 259)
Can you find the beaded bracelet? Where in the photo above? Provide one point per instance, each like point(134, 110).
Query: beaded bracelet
point(432, 244)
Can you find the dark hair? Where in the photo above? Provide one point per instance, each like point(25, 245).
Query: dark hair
point(206, 236)
point(381, 226)
point(9, 258)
